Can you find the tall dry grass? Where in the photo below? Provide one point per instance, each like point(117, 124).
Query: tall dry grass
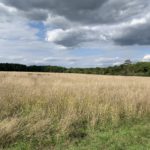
point(37, 106)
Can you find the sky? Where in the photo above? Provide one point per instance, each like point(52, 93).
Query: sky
point(74, 33)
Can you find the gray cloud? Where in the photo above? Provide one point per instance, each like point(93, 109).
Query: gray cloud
point(72, 37)
point(36, 14)
point(104, 20)
point(83, 11)
point(137, 35)
point(73, 10)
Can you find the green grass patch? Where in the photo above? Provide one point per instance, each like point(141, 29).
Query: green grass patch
point(128, 136)
point(125, 137)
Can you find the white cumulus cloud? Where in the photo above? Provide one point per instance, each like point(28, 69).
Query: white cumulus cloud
point(146, 57)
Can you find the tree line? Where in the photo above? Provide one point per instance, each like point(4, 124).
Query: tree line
point(127, 69)
point(20, 67)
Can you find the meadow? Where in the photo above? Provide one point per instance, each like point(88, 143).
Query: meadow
point(47, 111)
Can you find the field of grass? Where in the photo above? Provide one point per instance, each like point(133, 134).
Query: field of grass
point(75, 112)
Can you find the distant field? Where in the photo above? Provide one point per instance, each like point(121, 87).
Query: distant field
point(72, 111)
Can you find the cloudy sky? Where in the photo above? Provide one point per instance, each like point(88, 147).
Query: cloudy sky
point(74, 33)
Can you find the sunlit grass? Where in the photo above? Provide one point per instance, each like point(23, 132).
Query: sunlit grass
point(45, 110)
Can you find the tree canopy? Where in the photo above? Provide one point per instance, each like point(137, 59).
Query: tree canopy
point(127, 69)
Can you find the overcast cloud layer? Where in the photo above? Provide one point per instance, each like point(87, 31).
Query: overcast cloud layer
point(58, 27)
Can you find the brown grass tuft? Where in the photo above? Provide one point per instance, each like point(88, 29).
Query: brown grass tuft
point(40, 105)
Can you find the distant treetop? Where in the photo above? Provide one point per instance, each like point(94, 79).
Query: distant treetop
point(128, 62)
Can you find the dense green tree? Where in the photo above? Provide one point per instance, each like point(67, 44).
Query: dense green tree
point(137, 69)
